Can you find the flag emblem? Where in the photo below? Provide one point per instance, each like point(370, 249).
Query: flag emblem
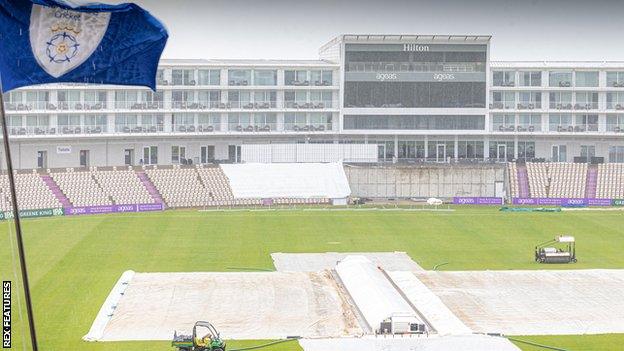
point(62, 39)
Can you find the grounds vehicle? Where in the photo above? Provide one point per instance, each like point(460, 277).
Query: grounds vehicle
point(205, 338)
point(565, 254)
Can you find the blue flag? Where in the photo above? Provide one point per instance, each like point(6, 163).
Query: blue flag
point(49, 41)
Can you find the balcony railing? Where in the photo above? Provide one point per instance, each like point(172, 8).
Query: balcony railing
point(308, 105)
point(561, 105)
point(135, 105)
point(522, 128)
point(255, 128)
point(615, 128)
point(615, 105)
point(136, 128)
point(579, 105)
point(573, 128)
point(416, 67)
point(529, 105)
point(302, 127)
point(503, 105)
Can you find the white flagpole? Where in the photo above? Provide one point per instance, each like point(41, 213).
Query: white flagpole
point(18, 226)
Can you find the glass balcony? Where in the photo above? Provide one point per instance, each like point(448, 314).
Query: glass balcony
point(416, 67)
point(252, 128)
point(137, 128)
point(303, 127)
point(529, 105)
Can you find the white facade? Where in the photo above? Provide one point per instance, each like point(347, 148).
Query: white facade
point(204, 110)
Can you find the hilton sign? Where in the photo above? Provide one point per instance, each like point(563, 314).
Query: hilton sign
point(415, 47)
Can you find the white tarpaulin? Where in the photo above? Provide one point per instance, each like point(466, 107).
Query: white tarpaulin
point(435, 343)
point(271, 305)
point(290, 180)
point(371, 291)
point(540, 302)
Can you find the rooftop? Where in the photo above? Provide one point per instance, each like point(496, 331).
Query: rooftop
point(246, 63)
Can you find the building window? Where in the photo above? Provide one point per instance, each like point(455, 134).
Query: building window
point(586, 123)
point(615, 79)
point(321, 99)
point(503, 100)
point(126, 99)
point(560, 123)
point(502, 150)
point(561, 100)
point(265, 77)
point(616, 154)
point(95, 100)
point(296, 99)
point(530, 78)
point(37, 124)
point(294, 121)
point(586, 79)
point(321, 77)
point(586, 101)
point(207, 154)
point(182, 99)
point(296, 77)
point(183, 122)
point(69, 124)
point(38, 100)
point(239, 77)
point(69, 100)
point(320, 121)
point(209, 122)
point(503, 78)
point(529, 123)
point(615, 100)
point(503, 122)
point(152, 123)
point(183, 76)
point(560, 79)
point(615, 123)
point(526, 150)
point(470, 149)
point(209, 98)
point(265, 99)
point(95, 124)
point(126, 123)
point(529, 100)
point(150, 155)
point(239, 99)
point(178, 154)
point(414, 122)
point(209, 76)
point(559, 153)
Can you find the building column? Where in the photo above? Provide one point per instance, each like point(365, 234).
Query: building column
point(456, 151)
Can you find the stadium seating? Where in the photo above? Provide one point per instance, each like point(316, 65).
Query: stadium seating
point(179, 187)
point(538, 179)
point(610, 181)
point(32, 193)
point(513, 179)
point(568, 179)
point(123, 186)
point(208, 185)
point(557, 180)
point(81, 187)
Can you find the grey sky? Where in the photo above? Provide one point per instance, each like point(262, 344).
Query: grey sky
point(292, 29)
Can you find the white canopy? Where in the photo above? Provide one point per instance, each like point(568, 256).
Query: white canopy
point(291, 180)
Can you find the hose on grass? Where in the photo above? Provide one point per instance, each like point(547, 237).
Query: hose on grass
point(438, 265)
point(536, 344)
point(261, 346)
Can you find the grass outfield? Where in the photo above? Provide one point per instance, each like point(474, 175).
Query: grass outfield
point(74, 262)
